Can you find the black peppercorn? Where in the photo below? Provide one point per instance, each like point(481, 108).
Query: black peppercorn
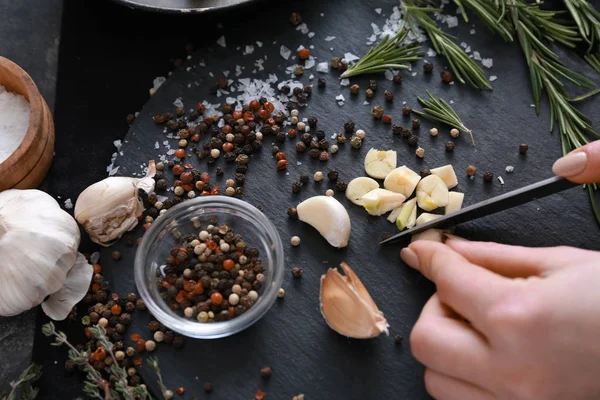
point(398, 78)
point(304, 178)
point(406, 110)
point(341, 186)
point(220, 171)
point(285, 89)
point(306, 138)
point(312, 121)
point(389, 96)
point(300, 147)
point(427, 66)
point(314, 153)
point(333, 175)
point(229, 157)
point(208, 387)
point(373, 85)
point(323, 144)
point(308, 90)
point(397, 129)
point(413, 140)
point(321, 83)
point(297, 91)
point(446, 76)
point(296, 186)
point(275, 150)
point(240, 178)
point(425, 173)
point(398, 339)
point(161, 184)
point(349, 127)
point(178, 341)
point(140, 305)
point(377, 112)
point(369, 93)
point(297, 272)
point(523, 148)
point(449, 146)
point(488, 177)
point(292, 213)
point(320, 135)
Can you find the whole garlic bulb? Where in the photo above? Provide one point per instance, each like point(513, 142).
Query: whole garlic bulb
point(111, 207)
point(38, 244)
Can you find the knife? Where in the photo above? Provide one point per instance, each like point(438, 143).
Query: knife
point(491, 206)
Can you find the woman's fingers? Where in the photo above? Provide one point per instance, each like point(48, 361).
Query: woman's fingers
point(516, 261)
point(467, 288)
point(448, 345)
point(444, 387)
point(581, 165)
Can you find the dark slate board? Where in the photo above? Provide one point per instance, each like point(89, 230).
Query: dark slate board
point(293, 339)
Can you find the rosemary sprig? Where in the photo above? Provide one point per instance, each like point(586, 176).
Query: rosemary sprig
point(593, 60)
point(437, 109)
point(464, 68)
point(21, 388)
point(587, 19)
point(390, 53)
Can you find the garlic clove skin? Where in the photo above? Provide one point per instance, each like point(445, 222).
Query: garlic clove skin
point(38, 244)
point(59, 304)
point(348, 308)
point(111, 207)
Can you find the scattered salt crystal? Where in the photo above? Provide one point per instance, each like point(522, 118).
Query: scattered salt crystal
point(311, 34)
point(431, 52)
point(322, 14)
point(312, 46)
point(14, 121)
point(345, 82)
point(249, 50)
point(532, 105)
point(259, 44)
point(365, 103)
point(389, 75)
point(211, 74)
point(302, 28)
point(68, 204)
point(451, 101)
point(333, 136)
point(476, 55)
point(472, 31)
point(487, 62)
point(170, 152)
point(452, 21)
point(329, 38)
point(340, 103)
point(156, 146)
point(340, 97)
point(117, 144)
point(493, 78)
point(238, 70)
point(323, 67)
point(510, 169)
point(378, 10)
point(113, 171)
point(468, 49)
point(95, 257)
point(202, 63)
point(463, 45)
point(376, 29)
point(221, 41)
point(309, 63)
point(414, 73)
point(178, 103)
point(298, 163)
point(285, 52)
point(311, 77)
point(501, 180)
point(472, 177)
point(349, 57)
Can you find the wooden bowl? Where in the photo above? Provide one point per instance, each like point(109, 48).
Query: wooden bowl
point(27, 166)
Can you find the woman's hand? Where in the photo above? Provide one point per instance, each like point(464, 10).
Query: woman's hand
point(511, 322)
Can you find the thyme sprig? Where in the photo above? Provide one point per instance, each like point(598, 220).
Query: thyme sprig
point(436, 109)
point(464, 68)
point(390, 53)
point(22, 388)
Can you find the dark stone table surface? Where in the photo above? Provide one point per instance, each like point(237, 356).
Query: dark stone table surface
point(109, 56)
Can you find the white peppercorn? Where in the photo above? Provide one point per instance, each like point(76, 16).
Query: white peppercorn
point(178, 191)
point(318, 177)
point(433, 131)
point(281, 293)
point(295, 241)
point(234, 299)
point(253, 295)
point(215, 153)
point(329, 192)
point(150, 345)
point(420, 152)
point(361, 134)
point(294, 120)
point(230, 183)
point(294, 113)
point(191, 194)
point(454, 132)
point(301, 126)
point(230, 191)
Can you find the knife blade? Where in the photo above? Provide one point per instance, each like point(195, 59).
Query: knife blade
point(491, 206)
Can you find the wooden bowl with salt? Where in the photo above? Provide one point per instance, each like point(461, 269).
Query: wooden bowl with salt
point(26, 167)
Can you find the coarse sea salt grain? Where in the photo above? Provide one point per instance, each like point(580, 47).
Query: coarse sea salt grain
point(510, 168)
point(378, 10)
point(493, 78)
point(221, 41)
point(431, 52)
point(487, 62)
point(68, 204)
point(14, 121)
point(345, 82)
point(285, 52)
point(501, 180)
point(329, 38)
point(323, 67)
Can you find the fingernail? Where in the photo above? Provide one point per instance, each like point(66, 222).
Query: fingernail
point(570, 165)
point(454, 237)
point(410, 257)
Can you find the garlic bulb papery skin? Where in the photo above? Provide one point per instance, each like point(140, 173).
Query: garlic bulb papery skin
point(59, 304)
point(348, 308)
point(111, 207)
point(38, 247)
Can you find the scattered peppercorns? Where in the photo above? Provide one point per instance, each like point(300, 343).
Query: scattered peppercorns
point(341, 186)
point(416, 123)
point(406, 110)
point(387, 119)
point(449, 146)
point(292, 213)
point(447, 77)
point(377, 112)
point(266, 372)
point(318, 176)
point(398, 339)
point(471, 170)
point(398, 78)
point(523, 148)
point(295, 241)
point(488, 177)
point(433, 132)
point(321, 83)
point(425, 173)
point(369, 93)
point(296, 186)
point(329, 192)
point(333, 175)
point(356, 142)
point(297, 272)
point(427, 66)
point(354, 89)
point(420, 152)
point(413, 140)
point(454, 132)
point(116, 255)
point(295, 19)
point(389, 96)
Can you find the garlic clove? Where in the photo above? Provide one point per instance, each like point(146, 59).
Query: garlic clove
point(379, 163)
point(402, 180)
point(434, 235)
point(59, 304)
point(455, 201)
point(348, 308)
point(379, 201)
point(408, 215)
point(111, 207)
point(432, 193)
point(447, 174)
point(328, 216)
point(358, 187)
point(426, 217)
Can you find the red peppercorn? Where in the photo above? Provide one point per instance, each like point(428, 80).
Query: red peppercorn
point(211, 244)
point(231, 312)
point(304, 54)
point(387, 119)
point(280, 156)
point(227, 147)
point(135, 337)
point(200, 108)
point(269, 107)
point(180, 390)
point(188, 166)
point(200, 185)
point(282, 165)
point(215, 191)
point(227, 129)
point(186, 177)
point(271, 121)
point(97, 268)
point(205, 193)
point(216, 298)
point(248, 116)
point(263, 114)
point(177, 170)
point(254, 105)
point(180, 153)
point(204, 177)
point(195, 138)
point(237, 114)
point(292, 133)
point(228, 264)
point(187, 187)
point(140, 345)
point(115, 310)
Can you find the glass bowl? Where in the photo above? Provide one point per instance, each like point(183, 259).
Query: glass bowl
point(244, 219)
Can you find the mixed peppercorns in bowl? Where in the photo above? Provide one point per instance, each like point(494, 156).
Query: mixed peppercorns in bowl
point(210, 267)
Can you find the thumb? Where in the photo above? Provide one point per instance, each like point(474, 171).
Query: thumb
point(581, 165)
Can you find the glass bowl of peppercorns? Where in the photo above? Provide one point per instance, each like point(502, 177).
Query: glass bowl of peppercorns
point(210, 267)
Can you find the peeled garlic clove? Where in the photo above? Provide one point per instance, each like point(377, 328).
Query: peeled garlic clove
point(379, 163)
point(447, 174)
point(348, 308)
point(394, 214)
point(408, 215)
point(111, 207)
point(59, 304)
point(358, 187)
point(38, 247)
point(380, 201)
point(434, 235)
point(402, 180)
point(426, 217)
point(432, 193)
point(328, 216)
point(455, 200)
